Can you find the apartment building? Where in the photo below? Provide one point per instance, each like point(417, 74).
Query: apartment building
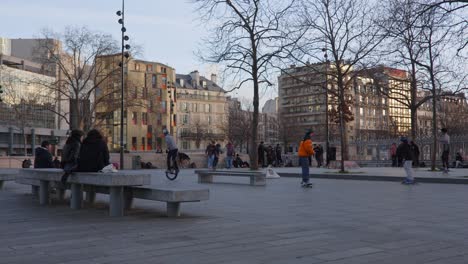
point(149, 99)
point(202, 111)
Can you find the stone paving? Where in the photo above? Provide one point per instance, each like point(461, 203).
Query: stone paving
point(335, 222)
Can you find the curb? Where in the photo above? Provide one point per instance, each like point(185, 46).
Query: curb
point(360, 177)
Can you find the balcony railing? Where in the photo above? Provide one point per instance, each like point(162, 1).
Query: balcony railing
point(199, 97)
point(202, 135)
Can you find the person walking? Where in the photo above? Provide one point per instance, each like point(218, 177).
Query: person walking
point(172, 151)
point(393, 154)
point(71, 153)
point(43, 158)
point(229, 155)
point(94, 154)
point(305, 151)
point(218, 153)
point(445, 141)
point(261, 154)
point(279, 160)
point(210, 154)
point(415, 150)
point(405, 153)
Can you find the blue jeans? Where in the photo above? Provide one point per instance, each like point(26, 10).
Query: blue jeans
point(211, 161)
point(228, 162)
point(304, 162)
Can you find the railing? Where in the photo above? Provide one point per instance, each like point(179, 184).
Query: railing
point(199, 97)
point(202, 135)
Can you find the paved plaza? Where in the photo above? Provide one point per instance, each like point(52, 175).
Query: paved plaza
point(335, 222)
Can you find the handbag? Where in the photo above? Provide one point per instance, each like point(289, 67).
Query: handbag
point(108, 168)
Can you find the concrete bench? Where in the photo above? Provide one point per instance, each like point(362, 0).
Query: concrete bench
point(7, 175)
point(116, 182)
point(172, 196)
point(257, 178)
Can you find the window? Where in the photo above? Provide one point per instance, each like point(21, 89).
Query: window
point(195, 107)
point(143, 143)
point(149, 68)
point(98, 92)
point(134, 143)
point(185, 119)
point(145, 92)
point(137, 67)
point(209, 120)
point(185, 145)
point(134, 118)
point(153, 81)
point(163, 106)
point(135, 93)
point(144, 118)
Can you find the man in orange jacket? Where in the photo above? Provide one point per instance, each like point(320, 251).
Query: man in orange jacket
point(305, 151)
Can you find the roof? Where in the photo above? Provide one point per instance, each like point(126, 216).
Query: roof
point(210, 86)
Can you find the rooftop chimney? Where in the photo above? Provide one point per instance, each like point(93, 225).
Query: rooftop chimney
point(214, 78)
point(195, 76)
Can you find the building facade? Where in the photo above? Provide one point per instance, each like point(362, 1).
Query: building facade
point(149, 98)
point(202, 111)
point(29, 113)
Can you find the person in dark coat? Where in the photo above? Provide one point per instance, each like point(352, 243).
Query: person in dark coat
point(279, 160)
point(261, 154)
point(43, 158)
point(94, 154)
point(415, 150)
point(57, 163)
point(70, 153)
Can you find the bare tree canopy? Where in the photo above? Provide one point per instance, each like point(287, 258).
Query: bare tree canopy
point(346, 31)
point(246, 38)
point(71, 55)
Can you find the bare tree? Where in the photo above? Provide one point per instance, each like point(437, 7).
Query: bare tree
point(345, 31)
point(247, 37)
point(71, 55)
point(454, 7)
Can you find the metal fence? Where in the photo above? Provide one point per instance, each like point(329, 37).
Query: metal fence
point(379, 150)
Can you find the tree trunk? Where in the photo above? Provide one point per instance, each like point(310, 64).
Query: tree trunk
point(434, 124)
point(253, 140)
point(342, 122)
point(413, 108)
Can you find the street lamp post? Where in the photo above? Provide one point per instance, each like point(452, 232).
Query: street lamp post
point(126, 55)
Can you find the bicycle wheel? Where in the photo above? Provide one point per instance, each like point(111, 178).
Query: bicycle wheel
point(171, 175)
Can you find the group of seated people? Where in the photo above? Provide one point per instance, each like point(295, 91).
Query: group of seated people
point(86, 155)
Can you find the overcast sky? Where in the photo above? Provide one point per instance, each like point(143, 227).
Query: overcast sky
point(168, 31)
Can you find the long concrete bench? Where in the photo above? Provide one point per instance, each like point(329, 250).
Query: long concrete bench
point(172, 196)
point(7, 175)
point(114, 181)
point(257, 178)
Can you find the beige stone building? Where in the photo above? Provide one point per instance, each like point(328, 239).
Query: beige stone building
point(150, 103)
point(202, 111)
